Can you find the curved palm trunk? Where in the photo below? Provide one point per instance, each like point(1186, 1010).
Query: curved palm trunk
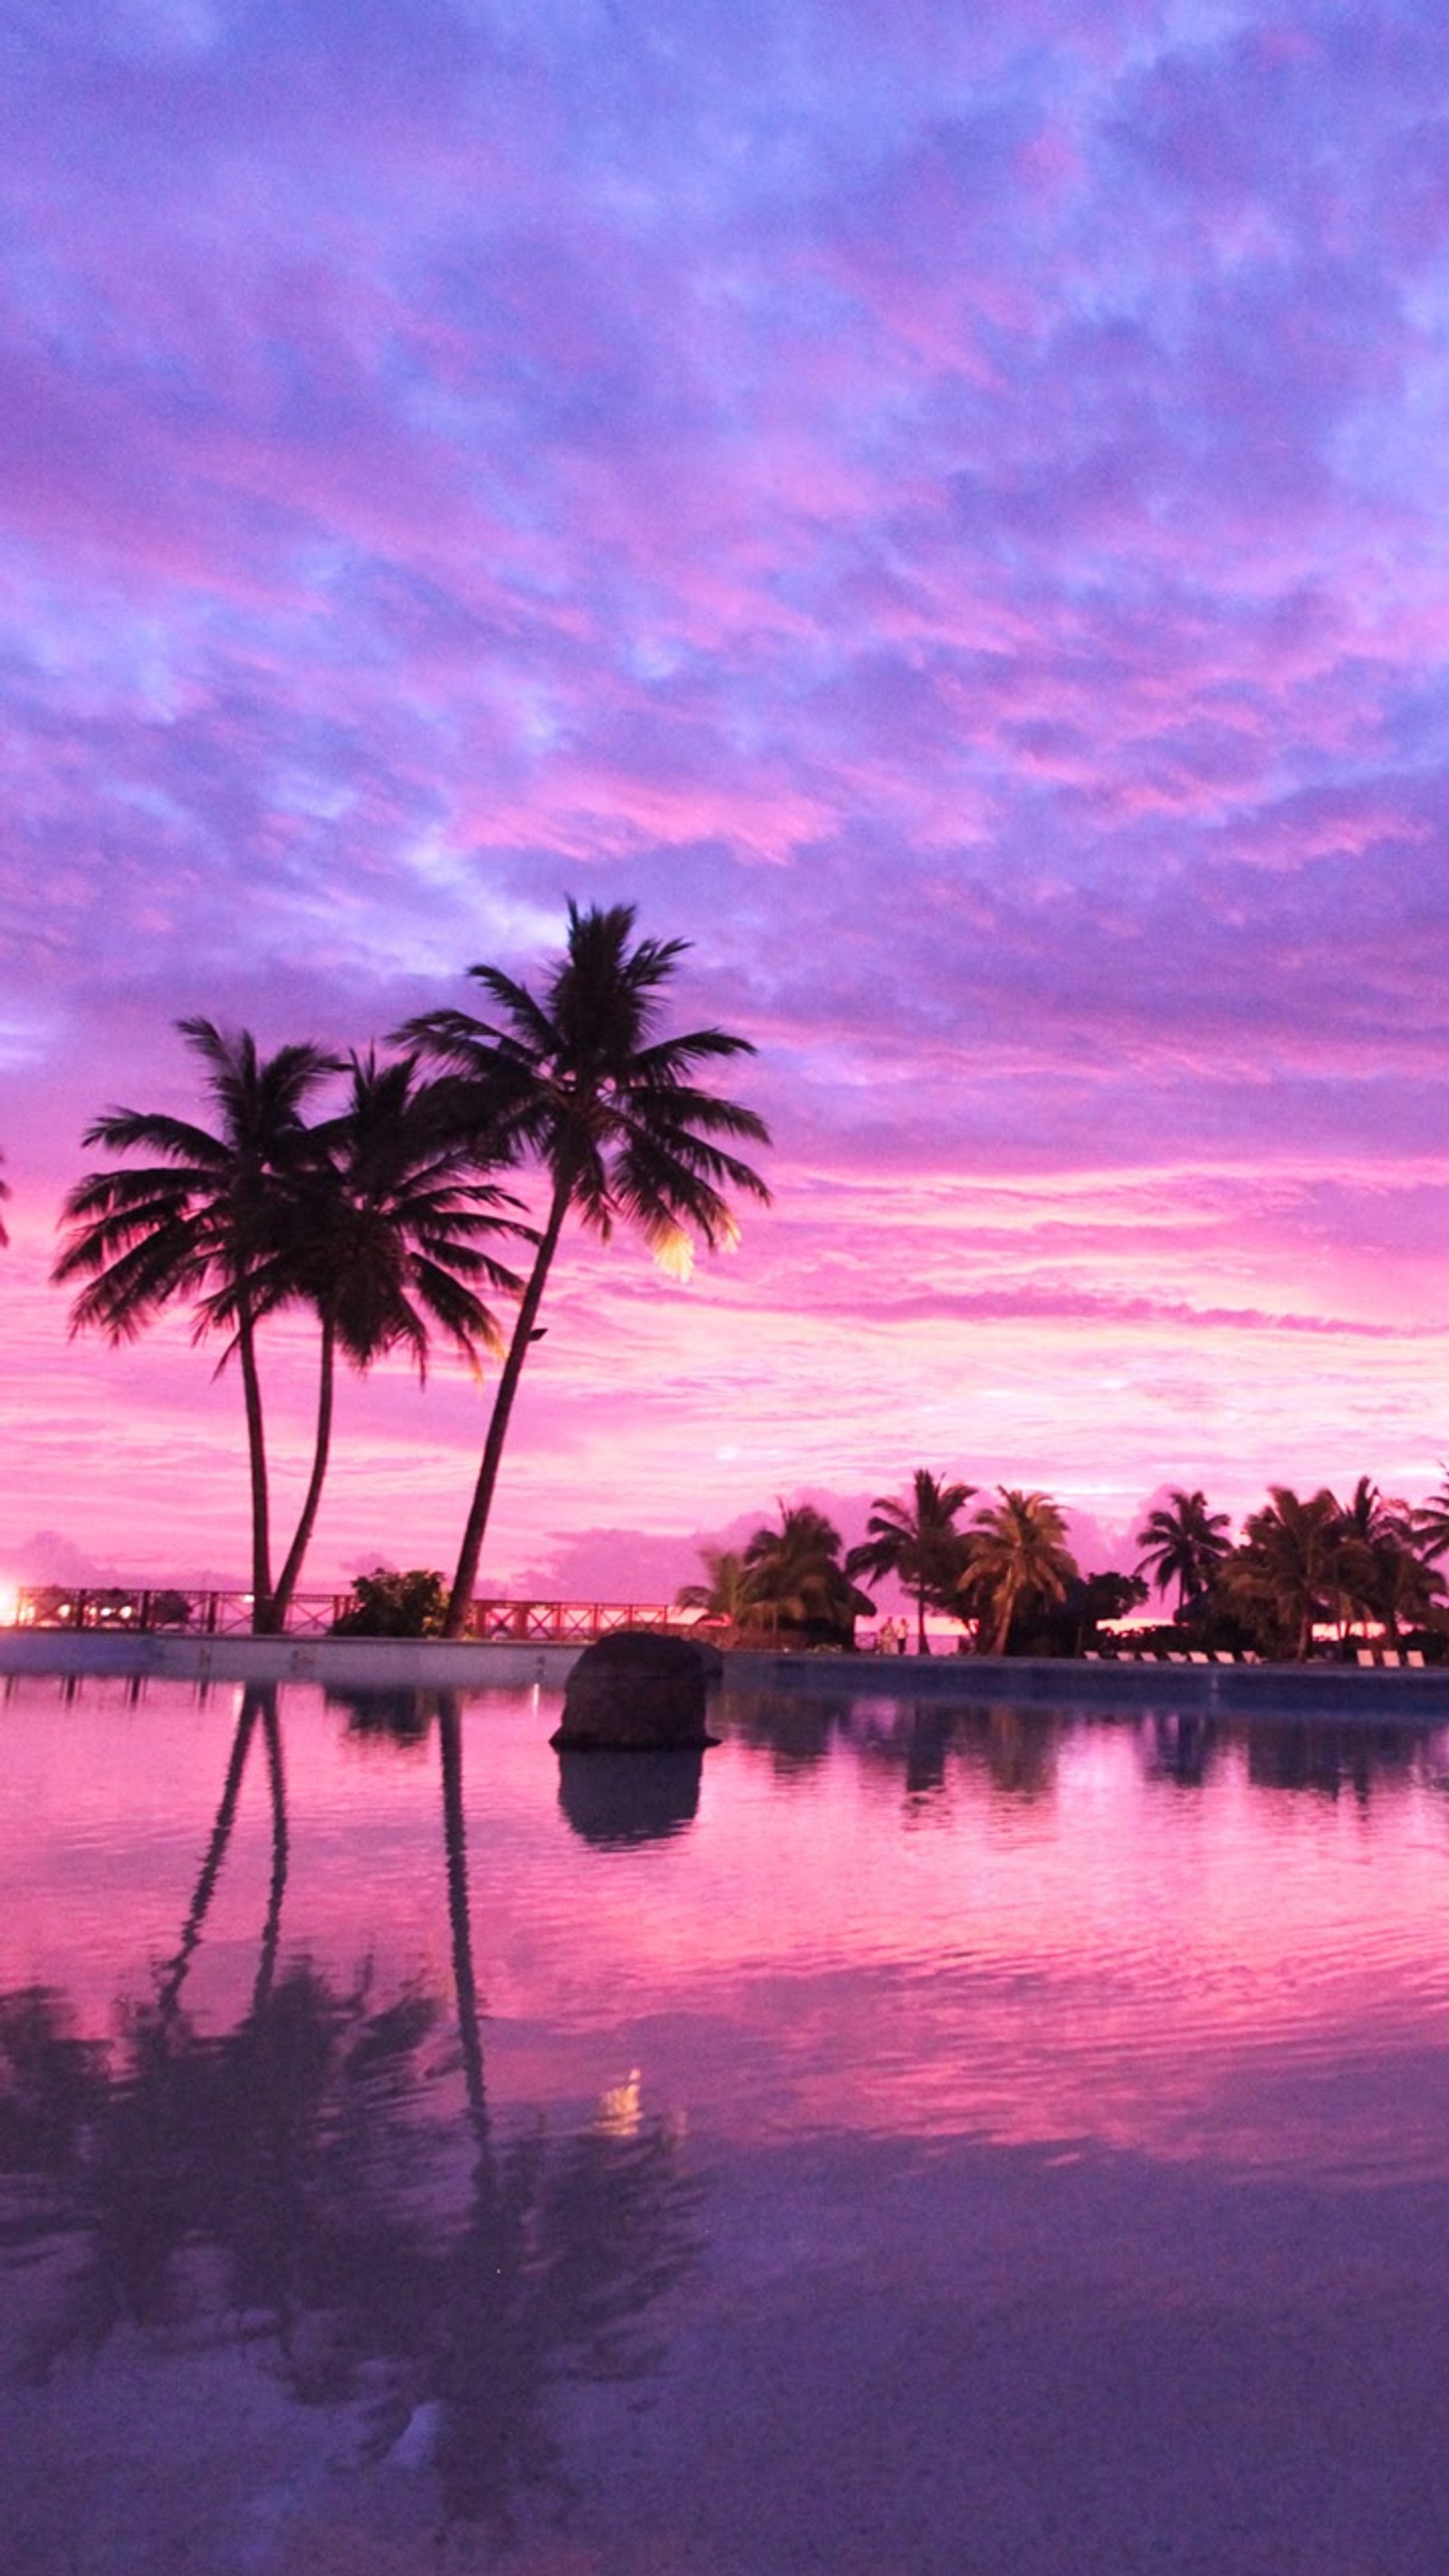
point(921, 1646)
point(1009, 1593)
point(257, 1459)
point(460, 1599)
point(321, 1449)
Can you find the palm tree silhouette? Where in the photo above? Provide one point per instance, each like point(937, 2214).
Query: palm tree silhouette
point(1018, 1553)
point(918, 1542)
point(1183, 1543)
point(388, 1248)
point(1297, 1564)
point(1429, 1521)
point(580, 1084)
point(727, 1593)
point(796, 1577)
point(208, 1215)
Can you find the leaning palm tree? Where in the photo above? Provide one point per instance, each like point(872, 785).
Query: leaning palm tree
point(207, 1215)
point(579, 1083)
point(918, 1542)
point(1182, 1542)
point(728, 1593)
point(1429, 1521)
point(388, 1248)
point(1019, 1552)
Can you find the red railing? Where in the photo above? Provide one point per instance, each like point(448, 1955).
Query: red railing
point(172, 1610)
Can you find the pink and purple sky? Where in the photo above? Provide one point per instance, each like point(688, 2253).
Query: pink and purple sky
point(946, 509)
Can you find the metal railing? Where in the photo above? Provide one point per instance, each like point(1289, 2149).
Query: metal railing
point(172, 1610)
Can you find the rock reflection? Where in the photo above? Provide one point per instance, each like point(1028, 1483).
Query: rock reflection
point(616, 1799)
point(303, 2184)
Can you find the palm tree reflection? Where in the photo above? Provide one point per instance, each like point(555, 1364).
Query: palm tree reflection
point(303, 2182)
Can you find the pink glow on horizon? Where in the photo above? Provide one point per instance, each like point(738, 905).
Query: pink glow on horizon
point(948, 514)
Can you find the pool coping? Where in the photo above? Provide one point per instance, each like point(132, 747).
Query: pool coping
point(444, 1664)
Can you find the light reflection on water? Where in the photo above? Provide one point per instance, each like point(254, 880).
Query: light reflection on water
point(361, 2064)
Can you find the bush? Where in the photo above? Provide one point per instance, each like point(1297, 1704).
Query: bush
point(385, 1604)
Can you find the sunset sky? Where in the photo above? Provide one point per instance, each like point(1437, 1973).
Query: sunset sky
point(945, 508)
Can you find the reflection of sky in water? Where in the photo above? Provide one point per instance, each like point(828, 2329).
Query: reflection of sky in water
point(889, 2005)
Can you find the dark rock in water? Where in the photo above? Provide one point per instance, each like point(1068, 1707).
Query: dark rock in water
point(636, 1692)
point(612, 1800)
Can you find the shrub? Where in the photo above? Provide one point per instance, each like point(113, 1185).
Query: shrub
point(386, 1604)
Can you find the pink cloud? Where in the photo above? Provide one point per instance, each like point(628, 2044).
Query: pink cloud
point(945, 513)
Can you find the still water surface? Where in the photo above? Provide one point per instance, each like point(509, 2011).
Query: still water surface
point(905, 2139)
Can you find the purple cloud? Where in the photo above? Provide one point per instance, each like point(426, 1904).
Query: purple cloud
point(946, 513)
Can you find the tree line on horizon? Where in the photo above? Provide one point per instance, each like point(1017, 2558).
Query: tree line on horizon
point(1011, 1580)
point(388, 1218)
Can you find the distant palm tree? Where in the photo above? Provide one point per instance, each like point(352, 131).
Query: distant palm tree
point(1182, 1542)
point(580, 1084)
point(918, 1542)
point(4, 1194)
point(727, 1592)
point(208, 1216)
point(1019, 1552)
point(796, 1578)
point(1429, 1522)
point(1295, 1565)
point(387, 1249)
point(1399, 1586)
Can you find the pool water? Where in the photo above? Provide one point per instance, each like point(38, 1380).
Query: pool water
point(906, 2138)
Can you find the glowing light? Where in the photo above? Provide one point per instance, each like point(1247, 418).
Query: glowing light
point(618, 2114)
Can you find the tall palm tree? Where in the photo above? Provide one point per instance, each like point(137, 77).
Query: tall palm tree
point(387, 1247)
point(208, 1215)
point(579, 1083)
point(1019, 1552)
point(1182, 1542)
point(918, 1542)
